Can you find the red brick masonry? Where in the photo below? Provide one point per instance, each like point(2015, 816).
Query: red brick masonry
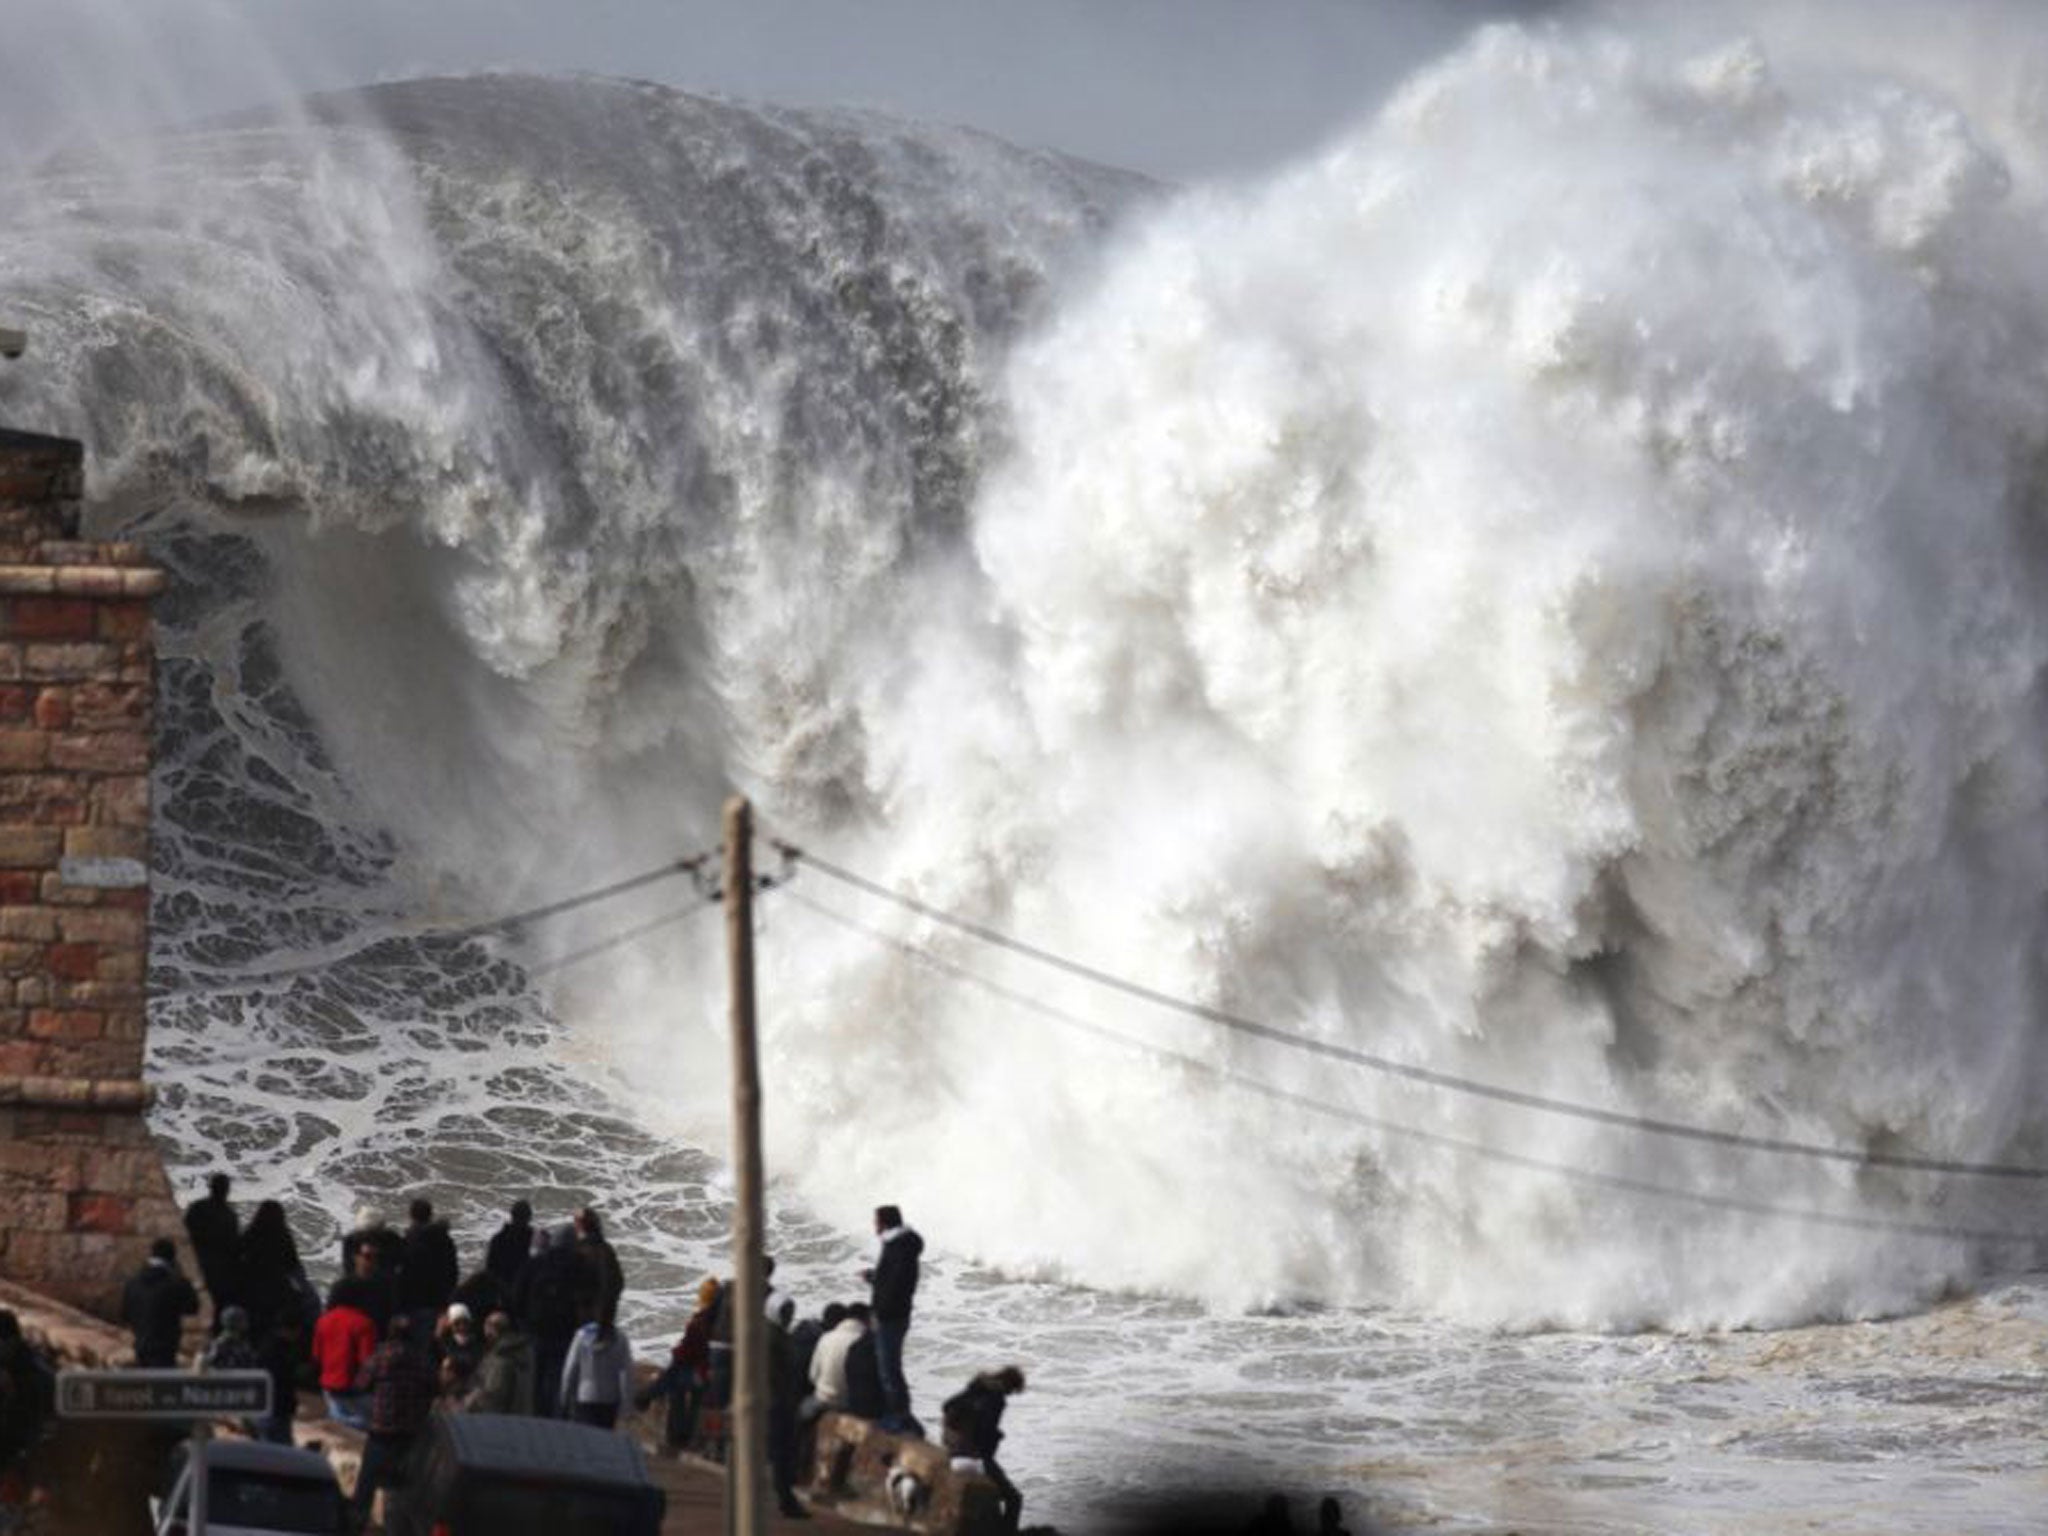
point(82, 1188)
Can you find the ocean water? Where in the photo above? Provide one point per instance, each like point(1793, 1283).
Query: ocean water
point(1544, 592)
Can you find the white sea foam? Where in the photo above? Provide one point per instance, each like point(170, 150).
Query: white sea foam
point(1547, 590)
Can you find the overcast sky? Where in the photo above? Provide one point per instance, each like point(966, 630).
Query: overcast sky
point(1179, 88)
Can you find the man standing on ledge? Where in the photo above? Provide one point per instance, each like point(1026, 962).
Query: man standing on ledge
point(894, 1279)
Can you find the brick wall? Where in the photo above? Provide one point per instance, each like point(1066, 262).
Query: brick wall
point(82, 1189)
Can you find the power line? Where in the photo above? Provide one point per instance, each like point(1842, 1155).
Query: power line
point(1622, 1182)
point(235, 983)
point(1435, 1079)
point(605, 946)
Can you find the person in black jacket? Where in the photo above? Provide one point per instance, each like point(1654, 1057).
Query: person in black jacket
point(604, 1282)
point(216, 1234)
point(864, 1392)
point(786, 1388)
point(894, 1282)
point(544, 1301)
point(155, 1305)
point(973, 1426)
point(427, 1269)
point(28, 1393)
point(511, 1247)
point(269, 1269)
point(386, 1248)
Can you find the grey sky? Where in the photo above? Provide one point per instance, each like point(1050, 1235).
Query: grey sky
point(1176, 87)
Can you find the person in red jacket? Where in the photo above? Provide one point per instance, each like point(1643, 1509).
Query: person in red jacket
point(343, 1341)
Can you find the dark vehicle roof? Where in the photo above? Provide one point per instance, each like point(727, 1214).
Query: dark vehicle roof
point(554, 1450)
point(256, 1457)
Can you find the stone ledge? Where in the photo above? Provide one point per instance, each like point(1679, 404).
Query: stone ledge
point(112, 582)
point(113, 1094)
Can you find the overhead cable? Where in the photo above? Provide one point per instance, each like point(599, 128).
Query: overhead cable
point(232, 982)
point(1408, 1070)
point(1570, 1171)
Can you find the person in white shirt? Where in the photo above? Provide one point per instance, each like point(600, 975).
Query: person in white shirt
point(828, 1362)
point(597, 1376)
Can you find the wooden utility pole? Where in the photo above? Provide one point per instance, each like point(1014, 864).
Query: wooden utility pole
point(746, 1482)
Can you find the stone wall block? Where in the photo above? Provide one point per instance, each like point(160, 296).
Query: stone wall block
point(73, 962)
point(96, 994)
point(120, 801)
point(64, 1024)
point(23, 749)
point(100, 1213)
point(109, 707)
point(101, 925)
point(49, 618)
point(36, 925)
point(70, 661)
point(44, 799)
point(124, 751)
point(124, 621)
point(30, 847)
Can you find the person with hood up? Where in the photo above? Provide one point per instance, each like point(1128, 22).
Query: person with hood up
point(216, 1233)
point(894, 1281)
point(155, 1305)
point(545, 1304)
point(597, 1377)
point(459, 1349)
point(504, 1377)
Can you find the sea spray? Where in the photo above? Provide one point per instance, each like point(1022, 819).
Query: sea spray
point(1546, 591)
point(1542, 591)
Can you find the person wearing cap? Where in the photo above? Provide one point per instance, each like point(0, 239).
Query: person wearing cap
point(155, 1305)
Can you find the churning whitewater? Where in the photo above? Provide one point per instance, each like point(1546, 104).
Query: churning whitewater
point(1547, 591)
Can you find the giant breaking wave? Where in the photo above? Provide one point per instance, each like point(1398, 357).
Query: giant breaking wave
point(1548, 590)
